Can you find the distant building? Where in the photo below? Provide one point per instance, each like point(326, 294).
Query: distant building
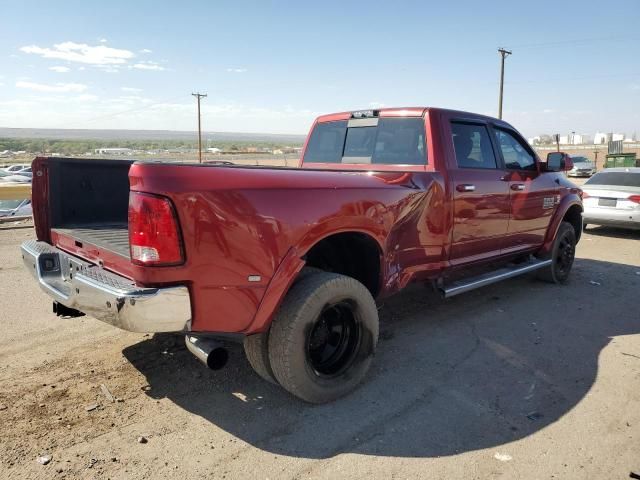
point(113, 151)
point(213, 150)
point(601, 138)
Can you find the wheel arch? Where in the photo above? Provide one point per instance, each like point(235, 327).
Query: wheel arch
point(570, 210)
point(311, 253)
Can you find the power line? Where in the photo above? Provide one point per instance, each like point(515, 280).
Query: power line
point(576, 40)
point(131, 110)
point(199, 96)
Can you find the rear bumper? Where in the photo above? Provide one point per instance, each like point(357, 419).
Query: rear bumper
point(611, 217)
point(104, 295)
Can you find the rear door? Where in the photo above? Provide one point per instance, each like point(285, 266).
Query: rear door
point(481, 195)
point(533, 196)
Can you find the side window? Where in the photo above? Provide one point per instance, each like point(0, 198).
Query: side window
point(472, 145)
point(515, 154)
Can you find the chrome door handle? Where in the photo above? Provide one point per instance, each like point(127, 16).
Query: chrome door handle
point(517, 187)
point(466, 187)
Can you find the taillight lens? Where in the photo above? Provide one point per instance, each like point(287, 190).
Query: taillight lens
point(154, 236)
point(584, 194)
point(634, 198)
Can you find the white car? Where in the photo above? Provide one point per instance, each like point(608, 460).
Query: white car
point(10, 177)
point(612, 197)
point(16, 168)
point(15, 208)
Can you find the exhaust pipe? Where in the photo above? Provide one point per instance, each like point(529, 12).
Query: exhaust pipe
point(208, 351)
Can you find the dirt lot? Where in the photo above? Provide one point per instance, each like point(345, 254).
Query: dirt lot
point(517, 380)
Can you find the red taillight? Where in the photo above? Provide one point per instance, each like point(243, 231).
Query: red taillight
point(634, 198)
point(584, 194)
point(154, 237)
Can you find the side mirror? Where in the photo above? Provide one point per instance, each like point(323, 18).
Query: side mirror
point(558, 162)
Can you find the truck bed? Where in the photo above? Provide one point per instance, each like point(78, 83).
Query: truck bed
point(109, 236)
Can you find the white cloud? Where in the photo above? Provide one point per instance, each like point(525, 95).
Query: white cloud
point(58, 87)
point(236, 70)
point(59, 69)
point(102, 40)
point(86, 98)
point(376, 105)
point(148, 66)
point(131, 89)
point(81, 53)
point(1, 84)
point(109, 68)
point(146, 50)
point(548, 110)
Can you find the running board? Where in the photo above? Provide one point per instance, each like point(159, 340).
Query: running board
point(465, 285)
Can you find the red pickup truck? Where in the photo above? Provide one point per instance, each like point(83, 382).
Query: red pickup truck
point(291, 261)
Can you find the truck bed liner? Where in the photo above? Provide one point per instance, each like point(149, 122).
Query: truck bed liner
point(113, 237)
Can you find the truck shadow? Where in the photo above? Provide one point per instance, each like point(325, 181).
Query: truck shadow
point(477, 371)
point(613, 232)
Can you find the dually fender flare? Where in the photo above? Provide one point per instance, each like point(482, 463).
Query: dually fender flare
point(289, 269)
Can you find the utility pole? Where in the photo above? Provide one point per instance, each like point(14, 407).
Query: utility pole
point(198, 97)
point(503, 54)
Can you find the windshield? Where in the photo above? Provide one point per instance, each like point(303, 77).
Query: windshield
point(618, 179)
point(390, 141)
point(9, 204)
point(580, 160)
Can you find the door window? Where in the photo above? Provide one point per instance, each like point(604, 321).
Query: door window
point(516, 155)
point(472, 145)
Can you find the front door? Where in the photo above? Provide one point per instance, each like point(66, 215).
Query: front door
point(533, 196)
point(481, 195)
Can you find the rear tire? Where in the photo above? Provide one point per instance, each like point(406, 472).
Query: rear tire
point(561, 255)
point(256, 349)
point(323, 337)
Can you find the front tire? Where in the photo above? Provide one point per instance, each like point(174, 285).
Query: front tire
point(562, 255)
point(324, 336)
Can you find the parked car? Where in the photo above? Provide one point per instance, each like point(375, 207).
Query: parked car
point(15, 208)
point(290, 261)
point(612, 198)
point(582, 167)
point(6, 177)
point(17, 167)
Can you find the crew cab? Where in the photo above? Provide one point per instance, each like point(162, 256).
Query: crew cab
point(291, 261)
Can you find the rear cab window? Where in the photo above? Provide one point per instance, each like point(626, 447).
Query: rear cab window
point(472, 146)
point(379, 141)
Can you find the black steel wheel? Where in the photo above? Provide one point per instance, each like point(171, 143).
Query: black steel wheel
point(333, 341)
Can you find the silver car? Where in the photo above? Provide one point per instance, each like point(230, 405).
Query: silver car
point(582, 167)
point(15, 208)
point(612, 197)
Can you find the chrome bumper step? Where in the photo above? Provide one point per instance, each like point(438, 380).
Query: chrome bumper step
point(79, 285)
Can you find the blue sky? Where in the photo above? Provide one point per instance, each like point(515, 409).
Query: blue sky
point(274, 66)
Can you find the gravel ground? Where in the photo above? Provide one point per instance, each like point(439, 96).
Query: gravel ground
point(517, 380)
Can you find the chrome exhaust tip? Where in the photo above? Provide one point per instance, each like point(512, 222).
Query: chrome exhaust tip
point(208, 351)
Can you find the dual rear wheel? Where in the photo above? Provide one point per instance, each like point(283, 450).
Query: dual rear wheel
point(322, 339)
